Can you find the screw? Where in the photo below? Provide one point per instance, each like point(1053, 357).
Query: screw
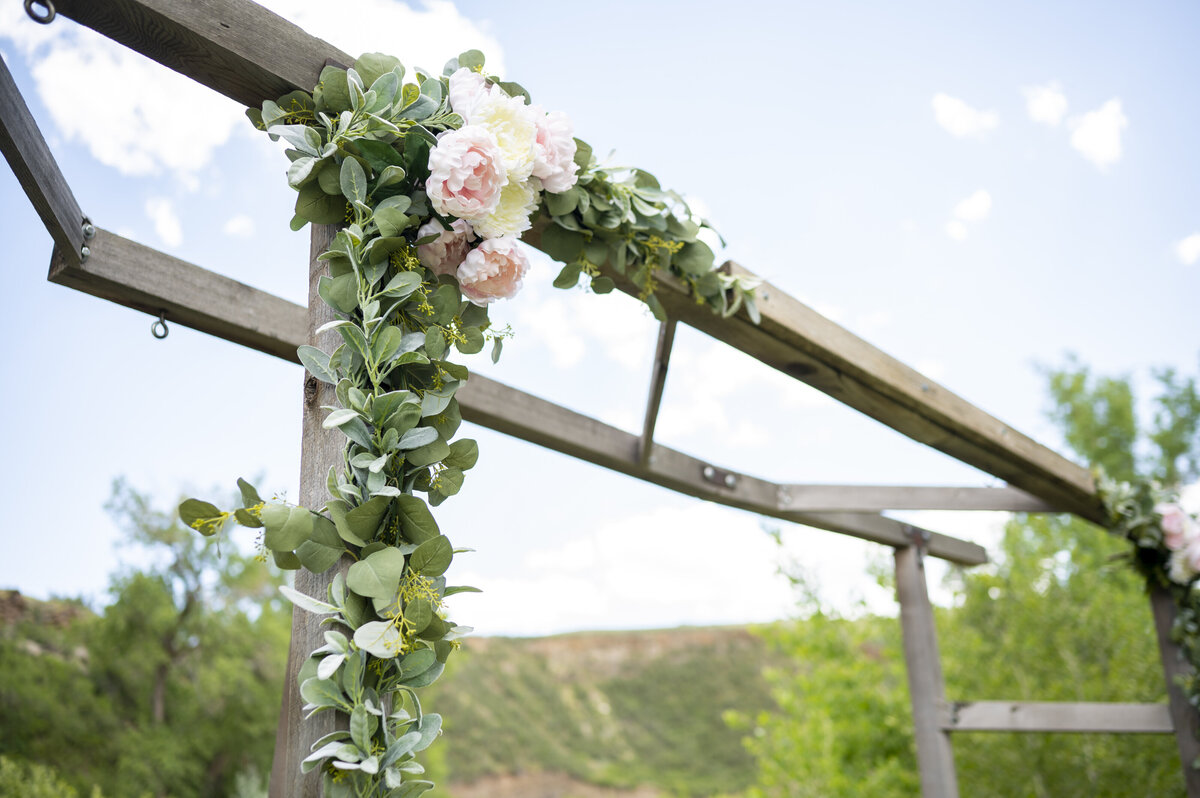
point(84, 252)
point(785, 497)
point(89, 230)
point(730, 480)
point(709, 472)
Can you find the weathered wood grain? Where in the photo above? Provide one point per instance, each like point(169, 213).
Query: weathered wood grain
point(1045, 716)
point(320, 449)
point(876, 498)
point(218, 42)
point(236, 47)
point(143, 278)
point(27, 153)
point(1184, 718)
point(935, 757)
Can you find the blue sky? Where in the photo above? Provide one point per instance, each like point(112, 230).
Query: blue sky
point(974, 188)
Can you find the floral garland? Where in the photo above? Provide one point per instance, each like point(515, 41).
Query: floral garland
point(1166, 551)
point(431, 183)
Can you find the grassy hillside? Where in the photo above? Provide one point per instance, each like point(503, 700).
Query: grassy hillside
point(617, 713)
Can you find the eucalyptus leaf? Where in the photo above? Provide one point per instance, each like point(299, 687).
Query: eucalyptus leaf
point(377, 576)
point(432, 557)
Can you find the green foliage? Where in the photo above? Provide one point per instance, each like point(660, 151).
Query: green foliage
point(843, 727)
point(1057, 620)
point(31, 780)
point(1056, 617)
point(174, 690)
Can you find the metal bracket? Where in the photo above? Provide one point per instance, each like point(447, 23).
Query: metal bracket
point(719, 477)
point(89, 232)
point(920, 538)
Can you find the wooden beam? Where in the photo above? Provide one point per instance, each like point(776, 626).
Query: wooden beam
point(926, 688)
point(219, 43)
point(36, 170)
point(658, 381)
point(1184, 718)
point(877, 498)
point(320, 450)
point(145, 279)
point(800, 342)
point(235, 47)
point(1044, 716)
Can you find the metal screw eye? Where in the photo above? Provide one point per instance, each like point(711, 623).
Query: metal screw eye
point(44, 19)
point(159, 328)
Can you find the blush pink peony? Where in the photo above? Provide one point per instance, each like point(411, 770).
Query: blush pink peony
point(1177, 526)
point(445, 254)
point(466, 173)
point(493, 270)
point(554, 152)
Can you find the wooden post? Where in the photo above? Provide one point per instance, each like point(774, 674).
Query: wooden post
point(935, 758)
point(320, 449)
point(658, 381)
point(1183, 715)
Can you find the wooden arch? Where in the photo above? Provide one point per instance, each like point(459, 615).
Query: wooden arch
point(249, 54)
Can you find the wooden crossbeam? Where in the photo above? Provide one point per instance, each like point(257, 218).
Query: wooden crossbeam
point(219, 43)
point(876, 498)
point(145, 279)
point(26, 151)
point(1045, 716)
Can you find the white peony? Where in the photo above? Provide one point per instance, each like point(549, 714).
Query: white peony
point(513, 124)
point(517, 203)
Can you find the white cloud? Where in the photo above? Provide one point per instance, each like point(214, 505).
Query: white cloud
point(1097, 134)
point(974, 208)
point(240, 226)
point(960, 119)
point(1188, 249)
point(669, 566)
point(424, 37)
point(166, 221)
point(144, 119)
point(1046, 104)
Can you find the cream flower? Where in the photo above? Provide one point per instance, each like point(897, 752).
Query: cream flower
point(493, 270)
point(513, 124)
point(466, 173)
point(445, 254)
point(554, 152)
point(517, 203)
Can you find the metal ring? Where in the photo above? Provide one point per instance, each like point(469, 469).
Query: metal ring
point(159, 328)
point(51, 13)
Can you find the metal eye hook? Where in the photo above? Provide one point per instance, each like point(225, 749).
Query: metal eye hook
point(159, 328)
point(43, 19)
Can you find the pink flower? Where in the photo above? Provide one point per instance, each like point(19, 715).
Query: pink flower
point(1177, 526)
point(554, 152)
point(467, 89)
point(493, 270)
point(466, 173)
point(446, 253)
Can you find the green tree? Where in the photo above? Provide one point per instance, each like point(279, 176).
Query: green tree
point(176, 690)
point(1054, 618)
